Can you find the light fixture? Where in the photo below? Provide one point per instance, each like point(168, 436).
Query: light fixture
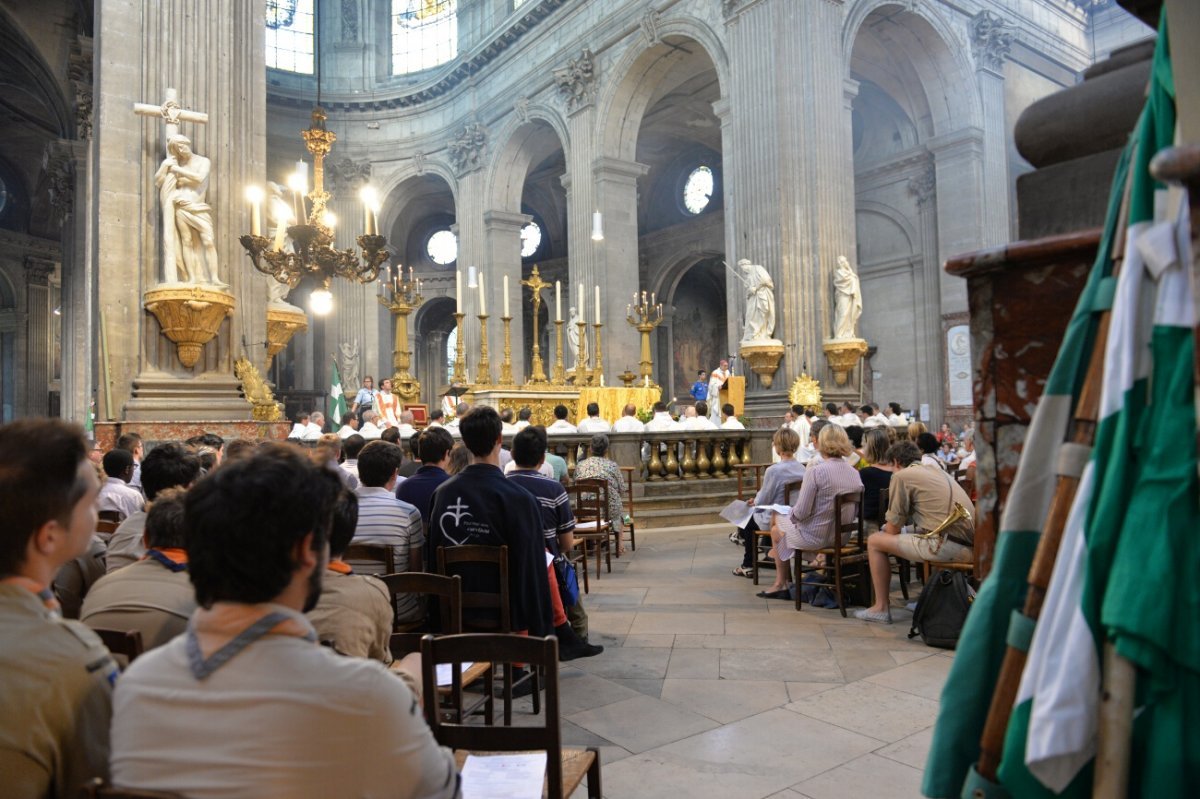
point(597, 227)
point(321, 301)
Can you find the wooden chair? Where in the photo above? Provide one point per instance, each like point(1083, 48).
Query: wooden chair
point(628, 472)
point(790, 492)
point(99, 789)
point(108, 522)
point(841, 555)
point(448, 593)
point(381, 554)
point(565, 768)
point(903, 566)
point(607, 522)
point(589, 528)
point(749, 479)
point(487, 611)
point(125, 645)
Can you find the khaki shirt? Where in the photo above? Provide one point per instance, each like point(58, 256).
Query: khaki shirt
point(924, 496)
point(355, 615)
point(145, 596)
point(56, 693)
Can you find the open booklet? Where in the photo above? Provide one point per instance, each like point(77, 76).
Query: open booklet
point(740, 512)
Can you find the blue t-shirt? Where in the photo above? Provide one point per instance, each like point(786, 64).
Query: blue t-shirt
point(700, 390)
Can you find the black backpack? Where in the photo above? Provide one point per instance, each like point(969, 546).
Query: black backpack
point(942, 609)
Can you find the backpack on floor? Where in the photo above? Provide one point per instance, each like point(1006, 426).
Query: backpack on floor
point(942, 609)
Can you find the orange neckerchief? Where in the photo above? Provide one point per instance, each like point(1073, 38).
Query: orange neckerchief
point(42, 592)
point(340, 566)
point(217, 626)
point(171, 557)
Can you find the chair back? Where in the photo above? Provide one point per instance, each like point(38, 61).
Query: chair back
point(126, 644)
point(447, 591)
point(601, 487)
point(108, 522)
point(852, 530)
point(472, 559)
point(749, 479)
point(791, 492)
point(380, 554)
point(540, 654)
point(585, 500)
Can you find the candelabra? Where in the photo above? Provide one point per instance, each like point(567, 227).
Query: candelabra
point(484, 375)
point(645, 315)
point(402, 296)
point(560, 373)
point(459, 375)
point(598, 372)
point(582, 374)
point(506, 375)
point(313, 254)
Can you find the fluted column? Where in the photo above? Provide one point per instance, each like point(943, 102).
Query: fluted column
point(616, 258)
point(580, 184)
point(502, 231)
point(472, 251)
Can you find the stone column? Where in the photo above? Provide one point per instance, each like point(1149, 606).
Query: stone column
point(927, 277)
point(615, 262)
point(211, 51)
point(37, 335)
point(786, 175)
point(468, 154)
point(579, 182)
point(357, 316)
point(502, 233)
point(991, 41)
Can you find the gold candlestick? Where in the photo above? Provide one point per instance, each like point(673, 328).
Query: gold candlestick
point(598, 372)
point(645, 316)
point(484, 377)
point(402, 297)
point(536, 284)
point(560, 374)
point(460, 361)
point(581, 361)
point(506, 375)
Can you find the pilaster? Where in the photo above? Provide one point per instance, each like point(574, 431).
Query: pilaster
point(502, 232)
point(37, 342)
point(616, 260)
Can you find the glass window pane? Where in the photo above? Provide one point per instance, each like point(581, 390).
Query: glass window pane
point(697, 192)
point(290, 37)
point(531, 239)
point(442, 247)
point(424, 34)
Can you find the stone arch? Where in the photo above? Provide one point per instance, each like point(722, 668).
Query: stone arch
point(518, 143)
point(894, 217)
point(400, 206)
point(432, 323)
point(931, 62)
point(688, 344)
point(625, 98)
point(393, 192)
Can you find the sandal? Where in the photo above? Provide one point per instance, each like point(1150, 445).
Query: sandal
point(744, 571)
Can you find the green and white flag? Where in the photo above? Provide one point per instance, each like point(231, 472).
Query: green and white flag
point(337, 400)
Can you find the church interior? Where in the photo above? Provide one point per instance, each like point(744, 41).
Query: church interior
point(682, 240)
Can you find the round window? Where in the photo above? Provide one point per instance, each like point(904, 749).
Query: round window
point(442, 247)
point(697, 191)
point(531, 239)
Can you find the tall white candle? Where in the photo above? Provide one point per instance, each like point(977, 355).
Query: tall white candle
point(580, 303)
point(458, 290)
point(482, 297)
point(506, 313)
point(557, 301)
point(597, 304)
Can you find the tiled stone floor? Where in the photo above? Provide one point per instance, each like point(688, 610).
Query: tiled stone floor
point(704, 690)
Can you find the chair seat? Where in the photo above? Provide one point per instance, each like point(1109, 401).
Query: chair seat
point(951, 565)
point(575, 765)
point(584, 527)
point(473, 673)
point(848, 549)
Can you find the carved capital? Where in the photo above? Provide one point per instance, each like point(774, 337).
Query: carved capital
point(576, 82)
point(419, 161)
point(650, 23)
point(991, 40)
point(521, 108)
point(346, 174)
point(59, 176)
point(467, 150)
point(923, 185)
point(38, 271)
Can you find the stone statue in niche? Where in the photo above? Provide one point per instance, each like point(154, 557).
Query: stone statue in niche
point(760, 301)
point(578, 347)
point(350, 360)
point(847, 295)
point(189, 244)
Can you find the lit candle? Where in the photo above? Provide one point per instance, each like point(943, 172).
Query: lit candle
point(557, 301)
point(629, 311)
point(458, 290)
point(369, 199)
point(482, 297)
point(506, 313)
point(579, 300)
point(597, 304)
point(255, 195)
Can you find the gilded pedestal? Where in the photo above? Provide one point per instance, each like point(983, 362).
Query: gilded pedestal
point(763, 357)
point(189, 315)
point(844, 355)
point(282, 325)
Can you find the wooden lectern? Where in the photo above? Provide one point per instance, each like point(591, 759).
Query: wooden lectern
point(734, 392)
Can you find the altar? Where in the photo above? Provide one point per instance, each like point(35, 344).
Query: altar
point(613, 399)
point(540, 400)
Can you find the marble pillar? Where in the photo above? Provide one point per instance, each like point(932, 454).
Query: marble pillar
point(38, 319)
point(616, 262)
point(502, 231)
point(211, 51)
point(580, 184)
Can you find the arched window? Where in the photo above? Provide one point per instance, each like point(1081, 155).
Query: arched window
point(698, 190)
point(424, 34)
point(442, 247)
point(451, 352)
point(291, 37)
point(531, 239)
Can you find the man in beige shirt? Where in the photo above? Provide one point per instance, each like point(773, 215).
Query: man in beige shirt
point(154, 595)
point(166, 466)
point(354, 614)
point(57, 686)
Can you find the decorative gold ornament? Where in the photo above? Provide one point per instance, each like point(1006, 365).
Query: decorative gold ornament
point(844, 355)
point(402, 296)
point(536, 285)
point(627, 377)
point(459, 375)
point(190, 316)
point(257, 392)
point(282, 325)
point(763, 358)
point(645, 315)
point(597, 376)
point(483, 369)
point(805, 391)
point(559, 376)
point(506, 375)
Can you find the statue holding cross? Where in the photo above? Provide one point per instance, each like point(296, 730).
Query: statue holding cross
point(189, 241)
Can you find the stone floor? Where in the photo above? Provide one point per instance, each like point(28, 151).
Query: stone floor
point(704, 690)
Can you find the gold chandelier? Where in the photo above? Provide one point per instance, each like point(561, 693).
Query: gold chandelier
point(312, 253)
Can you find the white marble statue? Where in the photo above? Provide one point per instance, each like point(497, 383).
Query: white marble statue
point(189, 245)
point(578, 349)
point(349, 372)
point(760, 301)
point(279, 216)
point(847, 295)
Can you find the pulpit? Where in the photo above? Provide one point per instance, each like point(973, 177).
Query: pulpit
point(734, 392)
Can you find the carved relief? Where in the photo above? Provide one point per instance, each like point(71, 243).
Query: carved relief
point(521, 107)
point(730, 7)
point(468, 149)
point(349, 20)
point(991, 39)
point(576, 81)
point(923, 185)
point(57, 164)
point(348, 174)
point(650, 24)
point(419, 162)
point(79, 70)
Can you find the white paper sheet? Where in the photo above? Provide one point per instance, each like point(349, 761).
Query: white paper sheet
point(738, 512)
point(444, 674)
point(504, 776)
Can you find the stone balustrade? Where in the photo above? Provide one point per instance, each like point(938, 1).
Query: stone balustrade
point(675, 455)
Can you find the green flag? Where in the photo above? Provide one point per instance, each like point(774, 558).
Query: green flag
point(337, 400)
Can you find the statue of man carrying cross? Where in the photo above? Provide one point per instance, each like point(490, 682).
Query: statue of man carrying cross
point(189, 242)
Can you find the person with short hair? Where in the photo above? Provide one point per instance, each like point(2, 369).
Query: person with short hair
point(351, 447)
point(773, 491)
point(406, 428)
point(368, 429)
point(387, 404)
point(628, 423)
point(523, 418)
point(328, 453)
point(928, 444)
point(392, 436)
point(729, 420)
point(460, 410)
point(923, 498)
point(115, 493)
point(354, 615)
point(154, 595)
point(349, 425)
point(593, 423)
point(716, 381)
point(597, 466)
point(300, 427)
point(257, 534)
point(802, 422)
point(435, 446)
point(560, 424)
point(364, 400)
point(168, 465)
point(696, 417)
point(436, 418)
point(132, 443)
point(895, 415)
point(662, 421)
point(383, 519)
point(849, 417)
point(58, 677)
point(699, 389)
point(506, 422)
point(315, 427)
point(239, 448)
point(412, 458)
